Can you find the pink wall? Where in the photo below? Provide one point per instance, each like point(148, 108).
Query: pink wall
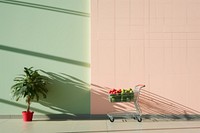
point(153, 42)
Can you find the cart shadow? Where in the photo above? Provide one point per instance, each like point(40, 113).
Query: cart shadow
point(153, 106)
point(157, 106)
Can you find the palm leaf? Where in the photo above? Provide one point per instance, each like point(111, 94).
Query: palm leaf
point(30, 85)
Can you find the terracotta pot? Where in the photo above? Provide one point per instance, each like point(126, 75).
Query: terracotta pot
point(27, 116)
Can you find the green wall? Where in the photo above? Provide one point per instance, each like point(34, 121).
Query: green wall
point(52, 36)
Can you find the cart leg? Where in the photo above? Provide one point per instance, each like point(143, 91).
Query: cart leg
point(139, 119)
point(111, 119)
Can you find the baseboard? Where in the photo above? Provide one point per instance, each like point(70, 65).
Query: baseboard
point(171, 117)
point(153, 117)
point(58, 116)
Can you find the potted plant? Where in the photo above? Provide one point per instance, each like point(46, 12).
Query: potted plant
point(31, 86)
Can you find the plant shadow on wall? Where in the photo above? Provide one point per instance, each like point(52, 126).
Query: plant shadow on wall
point(67, 95)
point(153, 106)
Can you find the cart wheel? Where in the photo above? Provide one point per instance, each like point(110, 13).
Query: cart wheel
point(111, 119)
point(124, 120)
point(139, 119)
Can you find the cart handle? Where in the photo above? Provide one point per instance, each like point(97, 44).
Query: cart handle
point(140, 85)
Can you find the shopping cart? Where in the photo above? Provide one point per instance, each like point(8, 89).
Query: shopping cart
point(130, 97)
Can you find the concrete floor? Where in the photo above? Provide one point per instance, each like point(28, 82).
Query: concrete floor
point(98, 126)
